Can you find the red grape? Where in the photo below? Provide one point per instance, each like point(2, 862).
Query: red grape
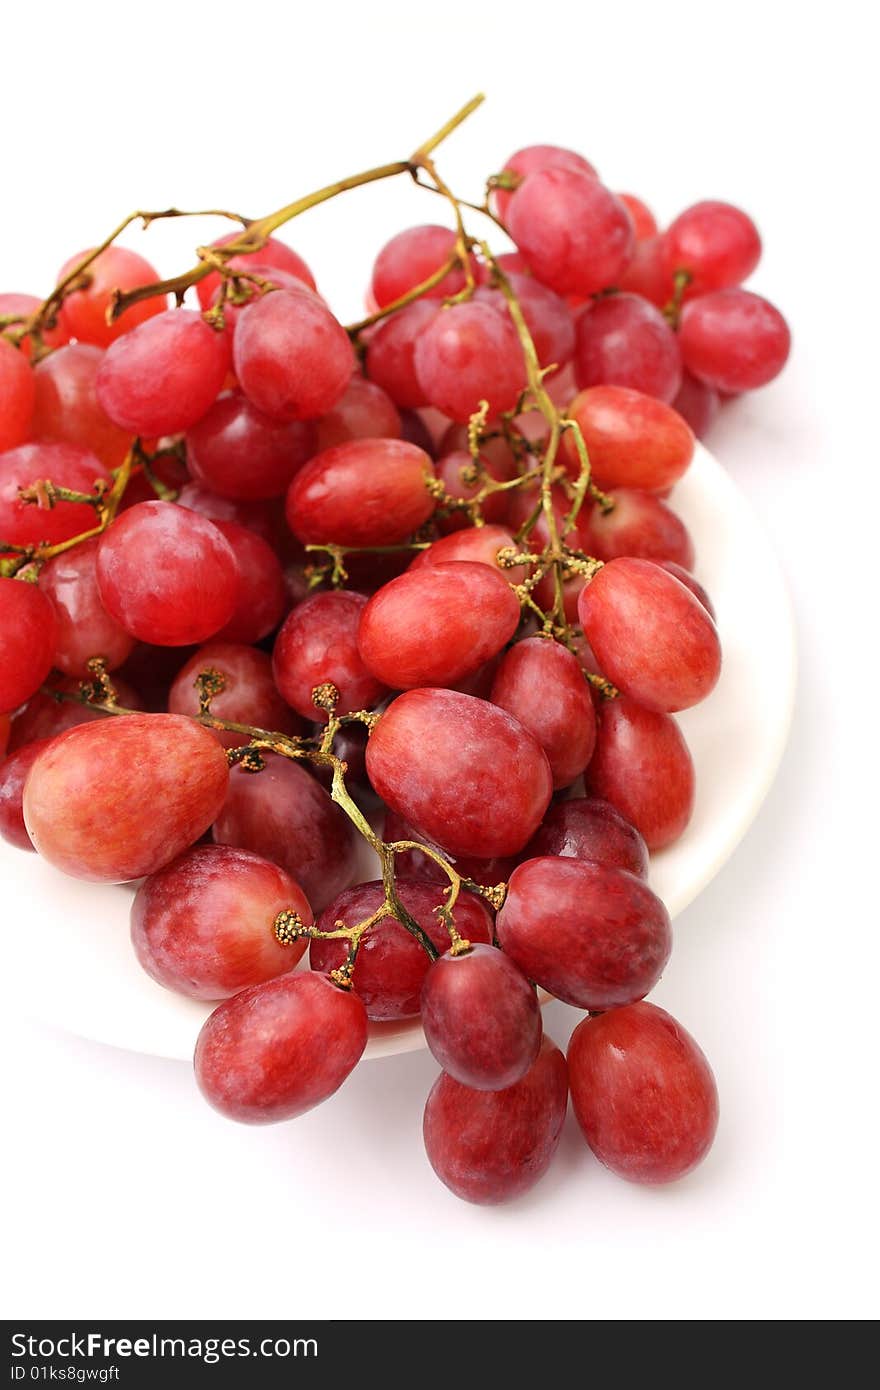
point(643, 1093)
point(318, 643)
point(481, 1018)
point(85, 628)
point(262, 592)
point(13, 775)
point(652, 637)
point(414, 430)
point(639, 524)
point(734, 340)
point(22, 306)
point(164, 375)
point(28, 635)
point(541, 684)
point(697, 403)
point(391, 964)
point(413, 864)
point(23, 523)
point(410, 258)
point(67, 405)
point(84, 312)
point(365, 492)
point(391, 350)
point(548, 317)
point(115, 800)
point(364, 412)
point(716, 243)
point(633, 440)
point(434, 625)
point(256, 516)
point(496, 450)
point(643, 220)
point(44, 717)
point(592, 935)
point(204, 925)
point(623, 340)
point(467, 354)
point(575, 235)
point(492, 1146)
point(533, 158)
point(292, 357)
point(465, 773)
point(646, 274)
point(277, 1049)
point(453, 470)
point(238, 452)
point(249, 695)
point(285, 815)
point(642, 765)
point(273, 256)
point(687, 579)
point(475, 543)
point(588, 828)
point(17, 393)
point(167, 575)
point(5, 730)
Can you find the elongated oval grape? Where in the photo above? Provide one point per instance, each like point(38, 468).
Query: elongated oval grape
point(249, 694)
point(468, 609)
point(163, 375)
point(716, 243)
point(466, 774)
point(17, 393)
point(278, 1049)
point(633, 440)
point(28, 636)
point(391, 965)
point(651, 636)
point(238, 452)
point(481, 1018)
point(593, 936)
point(588, 828)
point(574, 234)
point(204, 925)
point(66, 406)
point(639, 524)
point(66, 465)
point(467, 354)
point(119, 799)
point(643, 766)
point(84, 312)
point(85, 628)
point(14, 772)
point(365, 492)
point(624, 340)
point(491, 1146)
point(542, 685)
point(318, 643)
point(292, 358)
point(477, 543)
point(643, 1093)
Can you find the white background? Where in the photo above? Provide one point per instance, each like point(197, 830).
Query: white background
point(126, 1196)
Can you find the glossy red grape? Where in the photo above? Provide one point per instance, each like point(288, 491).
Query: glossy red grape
point(684, 577)
point(273, 256)
point(277, 1049)
point(575, 235)
point(491, 1146)
point(643, 1093)
point(533, 158)
point(318, 643)
point(411, 257)
point(474, 543)
point(204, 925)
point(734, 340)
point(285, 815)
point(640, 524)
point(697, 403)
point(249, 695)
point(481, 1018)
point(14, 772)
point(167, 575)
point(467, 354)
point(85, 628)
point(365, 411)
point(28, 635)
point(633, 440)
point(643, 220)
point(271, 277)
point(292, 358)
point(256, 516)
point(588, 828)
point(716, 243)
point(541, 684)
point(115, 800)
point(44, 717)
point(262, 592)
point(455, 471)
point(164, 375)
point(652, 637)
point(391, 349)
point(83, 314)
point(17, 393)
point(643, 766)
point(434, 625)
point(466, 774)
point(391, 964)
point(413, 864)
point(365, 492)
point(624, 340)
point(19, 307)
point(67, 408)
point(238, 452)
point(594, 936)
point(23, 523)
point(548, 317)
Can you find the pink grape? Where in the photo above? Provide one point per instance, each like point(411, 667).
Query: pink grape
point(83, 314)
point(541, 684)
point(164, 375)
point(643, 219)
point(592, 829)
point(167, 575)
point(249, 695)
point(364, 412)
point(278, 1049)
point(391, 965)
point(66, 465)
point(646, 274)
point(469, 610)
point(18, 393)
point(474, 543)
point(734, 340)
point(697, 403)
point(204, 925)
point(594, 936)
point(262, 592)
point(256, 516)
point(115, 800)
point(491, 1146)
point(14, 772)
point(716, 243)
point(273, 256)
point(467, 354)
point(491, 805)
point(642, 765)
point(640, 524)
point(643, 1093)
point(238, 452)
point(632, 439)
point(414, 864)
point(481, 1018)
point(533, 158)
point(652, 637)
point(318, 643)
point(23, 306)
point(292, 358)
point(85, 628)
point(365, 492)
point(411, 257)
point(44, 717)
point(548, 317)
point(391, 350)
point(67, 408)
point(28, 636)
point(623, 340)
point(574, 234)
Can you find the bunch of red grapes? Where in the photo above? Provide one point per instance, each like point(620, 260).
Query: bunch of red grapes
point(271, 584)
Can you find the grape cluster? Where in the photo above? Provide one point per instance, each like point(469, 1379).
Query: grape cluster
point(269, 583)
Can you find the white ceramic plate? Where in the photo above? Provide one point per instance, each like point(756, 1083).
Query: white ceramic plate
point(72, 964)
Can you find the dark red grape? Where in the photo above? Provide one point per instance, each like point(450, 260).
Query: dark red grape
point(238, 452)
point(318, 643)
point(587, 828)
point(643, 766)
point(542, 685)
point(14, 772)
point(481, 1018)
point(365, 492)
